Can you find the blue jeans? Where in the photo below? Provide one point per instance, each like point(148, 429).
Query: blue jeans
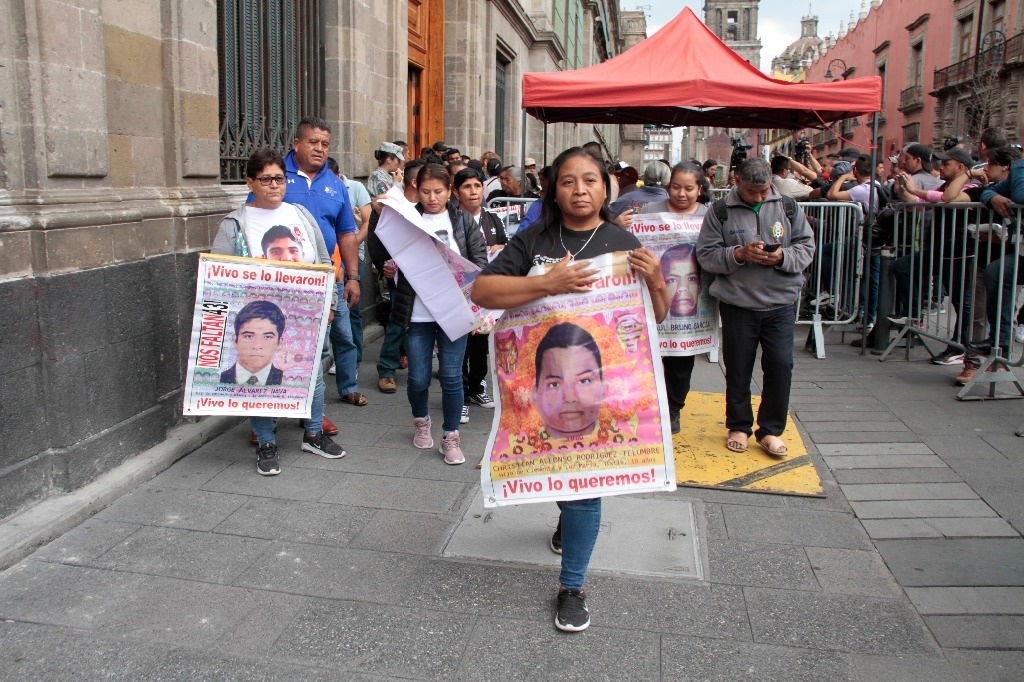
point(1001, 269)
point(355, 317)
point(264, 427)
point(345, 351)
point(581, 521)
point(419, 341)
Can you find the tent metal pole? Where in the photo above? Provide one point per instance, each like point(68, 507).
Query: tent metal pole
point(545, 144)
point(522, 156)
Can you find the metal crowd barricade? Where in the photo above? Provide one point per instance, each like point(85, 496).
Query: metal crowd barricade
point(720, 192)
point(956, 273)
point(511, 211)
point(832, 292)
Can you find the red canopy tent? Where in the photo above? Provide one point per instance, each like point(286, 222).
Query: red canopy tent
point(685, 75)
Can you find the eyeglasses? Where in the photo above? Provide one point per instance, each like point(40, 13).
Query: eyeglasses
point(267, 180)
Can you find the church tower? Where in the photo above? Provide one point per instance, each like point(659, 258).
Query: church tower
point(735, 22)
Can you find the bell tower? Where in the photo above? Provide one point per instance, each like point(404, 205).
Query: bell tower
point(735, 22)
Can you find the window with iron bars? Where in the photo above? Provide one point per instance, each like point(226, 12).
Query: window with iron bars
point(271, 60)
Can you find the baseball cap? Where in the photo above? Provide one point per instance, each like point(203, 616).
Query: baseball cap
point(958, 154)
point(919, 151)
point(849, 154)
point(530, 161)
point(841, 168)
point(391, 148)
point(894, 159)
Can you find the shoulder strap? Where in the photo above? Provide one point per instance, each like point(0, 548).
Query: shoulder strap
point(241, 246)
point(720, 209)
point(789, 206)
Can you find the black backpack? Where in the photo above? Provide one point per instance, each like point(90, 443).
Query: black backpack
point(722, 212)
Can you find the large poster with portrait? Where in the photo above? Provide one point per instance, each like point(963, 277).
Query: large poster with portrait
point(690, 327)
point(257, 332)
point(581, 409)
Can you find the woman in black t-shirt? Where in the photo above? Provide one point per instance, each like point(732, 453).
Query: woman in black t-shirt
point(575, 225)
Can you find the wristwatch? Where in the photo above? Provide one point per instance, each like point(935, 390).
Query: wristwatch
point(351, 278)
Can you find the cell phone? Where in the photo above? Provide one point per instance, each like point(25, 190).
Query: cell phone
point(772, 248)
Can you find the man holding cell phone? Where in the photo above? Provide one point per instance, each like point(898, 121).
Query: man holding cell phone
point(758, 244)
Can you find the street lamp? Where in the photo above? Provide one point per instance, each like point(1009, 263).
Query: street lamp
point(835, 62)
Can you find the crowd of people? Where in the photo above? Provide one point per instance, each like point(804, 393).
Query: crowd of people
point(755, 244)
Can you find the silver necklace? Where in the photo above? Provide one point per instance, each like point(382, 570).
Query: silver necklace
point(572, 256)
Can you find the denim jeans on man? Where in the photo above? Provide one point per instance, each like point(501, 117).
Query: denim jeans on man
point(263, 427)
point(344, 348)
point(1001, 278)
point(419, 343)
point(581, 521)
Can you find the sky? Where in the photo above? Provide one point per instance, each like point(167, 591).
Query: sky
point(778, 20)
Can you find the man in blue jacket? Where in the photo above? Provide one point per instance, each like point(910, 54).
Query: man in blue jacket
point(311, 183)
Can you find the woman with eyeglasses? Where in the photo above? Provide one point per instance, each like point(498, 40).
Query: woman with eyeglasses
point(256, 230)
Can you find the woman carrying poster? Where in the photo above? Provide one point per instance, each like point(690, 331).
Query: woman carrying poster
point(575, 225)
point(271, 229)
point(682, 276)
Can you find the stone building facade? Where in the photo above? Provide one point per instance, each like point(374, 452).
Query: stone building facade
point(121, 128)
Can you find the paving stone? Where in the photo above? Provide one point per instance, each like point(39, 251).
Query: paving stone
point(884, 462)
point(967, 600)
point(178, 508)
point(189, 664)
point(910, 475)
point(190, 472)
point(379, 639)
point(175, 553)
point(360, 460)
point(386, 492)
point(817, 429)
point(296, 483)
point(865, 668)
point(876, 437)
point(333, 572)
point(400, 531)
point(851, 571)
point(961, 446)
point(84, 543)
point(1004, 441)
point(808, 417)
point(978, 632)
point(967, 562)
point(986, 666)
point(909, 491)
point(836, 622)
point(858, 449)
point(542, 652)
point(297, 521)
point(764, 565)
point(881, 529)
point(703, 660)
point(908, 509)
point(43, 652)
point(795, 527)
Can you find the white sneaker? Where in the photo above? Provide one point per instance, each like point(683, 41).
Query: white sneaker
point(464, 419)
point(1018, 333)
point(451, 448)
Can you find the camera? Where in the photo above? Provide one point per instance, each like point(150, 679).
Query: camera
point(951, 142)
point(739, 151)
point(801, 152)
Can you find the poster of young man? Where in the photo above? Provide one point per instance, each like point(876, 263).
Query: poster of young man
point(690, 327)
point(256, 335)
point(581, 409)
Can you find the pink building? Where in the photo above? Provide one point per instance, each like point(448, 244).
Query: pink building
point(948, 69)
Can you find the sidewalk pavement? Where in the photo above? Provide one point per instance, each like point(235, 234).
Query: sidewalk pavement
point(912, 568)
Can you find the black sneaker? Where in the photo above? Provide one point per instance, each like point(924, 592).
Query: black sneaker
point(482, 399)
point(321, 444)
point(950, 356)
point(572, 615)
point(675, 423)
point(267, 463)
point(556, 539)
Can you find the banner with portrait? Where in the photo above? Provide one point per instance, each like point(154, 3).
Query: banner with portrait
point(580, 396)
point(691, 326)
point(441, 276)
point(257, 333)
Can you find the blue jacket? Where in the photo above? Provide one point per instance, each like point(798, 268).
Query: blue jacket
point(326, 198)
point(1012, 186)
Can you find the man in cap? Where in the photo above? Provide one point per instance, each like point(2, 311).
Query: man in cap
point(530, 170)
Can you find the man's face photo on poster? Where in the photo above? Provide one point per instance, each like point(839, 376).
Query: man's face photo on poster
point(258, 329)
point(682, 279)
point(280, 244)
point(569, 385)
